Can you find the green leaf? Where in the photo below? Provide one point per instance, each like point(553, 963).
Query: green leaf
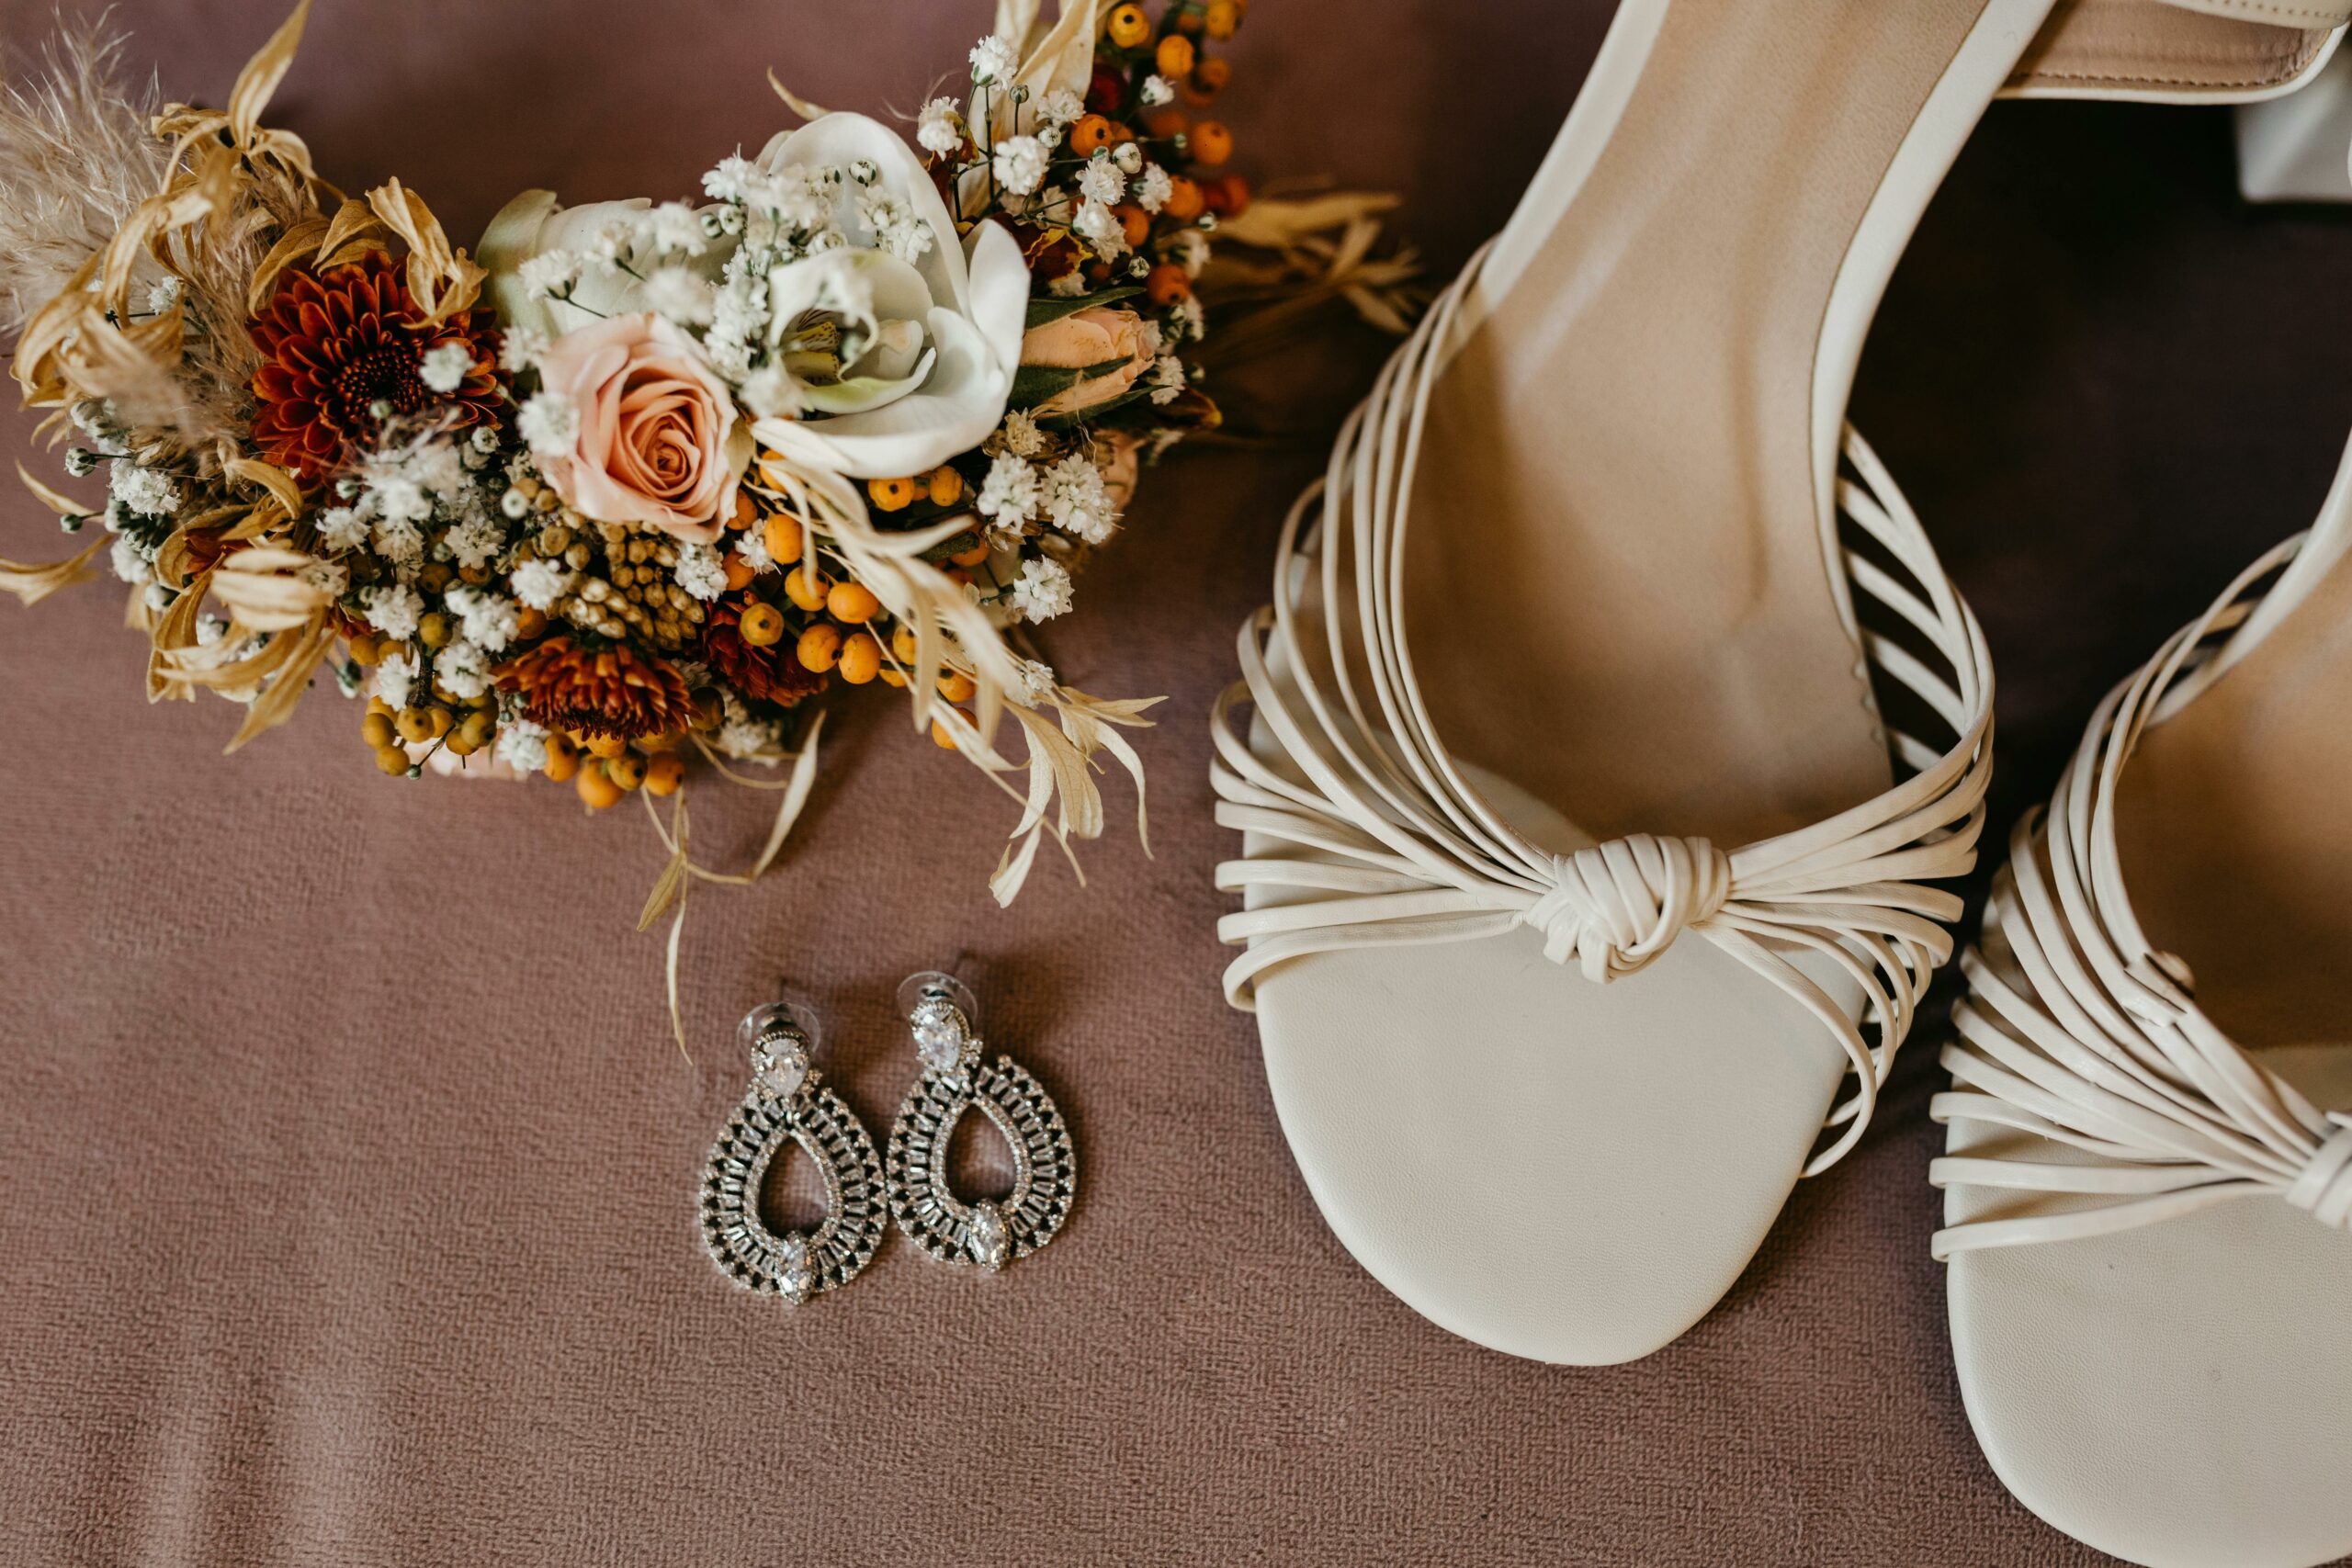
point(1032, 384)
point(1054, 306)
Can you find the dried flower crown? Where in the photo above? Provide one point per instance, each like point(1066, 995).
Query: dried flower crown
point(634, 482)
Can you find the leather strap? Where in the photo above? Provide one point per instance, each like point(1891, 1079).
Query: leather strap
point(2176, 49)
point(2075, 1030)
point(1379, 840)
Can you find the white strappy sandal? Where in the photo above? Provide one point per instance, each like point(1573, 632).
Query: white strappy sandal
point(1615, 684)
point(2149, 1176)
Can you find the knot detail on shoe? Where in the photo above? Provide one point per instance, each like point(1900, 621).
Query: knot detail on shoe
point(1616, 906)
point(1364, 832)
point(2113, 1101)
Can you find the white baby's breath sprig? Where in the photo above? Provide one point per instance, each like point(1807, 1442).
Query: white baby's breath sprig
point(677, 229)
point(147, 491)
point(1074, 497)
point(1166, 378)
point(1102, 180)
point(522, 745)
point(340, 528)
point(1010, 494)
point(730, 179)
point(1020, 164)
point(1101, 229)
point(700, 572)
point(550, 274)
point(547, 422)
point(519, 349)
point(940, 128)
point(445, 366)
point(752, 545)
point(679, 293)
point(474, 541)
point(993, 62)
point(131, 563)
point(540, 584)
point(895, 226)
point(1042, 591)
point(487, 619)
point(395, 609)
point(396, 673)
point(463, 669)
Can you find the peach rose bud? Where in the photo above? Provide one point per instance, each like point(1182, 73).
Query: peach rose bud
point(1082, 339)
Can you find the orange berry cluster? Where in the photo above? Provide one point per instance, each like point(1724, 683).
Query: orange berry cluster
point(434, 717)
point(1174, 50)
point(604, 768)
point(840, 625)
point(460, 728)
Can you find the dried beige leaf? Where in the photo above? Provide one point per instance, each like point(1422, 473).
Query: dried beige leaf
point(793, 100)
point(263, 588)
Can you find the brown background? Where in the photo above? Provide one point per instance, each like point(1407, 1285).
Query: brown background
point(347, 1171)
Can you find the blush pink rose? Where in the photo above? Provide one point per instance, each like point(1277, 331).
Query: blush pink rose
point(658, 442)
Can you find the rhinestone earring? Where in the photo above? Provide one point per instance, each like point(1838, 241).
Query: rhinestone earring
point(941, 1013)
point(786, 1101)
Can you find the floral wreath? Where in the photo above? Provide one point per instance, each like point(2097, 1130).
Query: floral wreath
point(632, 483)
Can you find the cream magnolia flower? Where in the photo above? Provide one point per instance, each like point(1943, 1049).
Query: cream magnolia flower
point(934, 337)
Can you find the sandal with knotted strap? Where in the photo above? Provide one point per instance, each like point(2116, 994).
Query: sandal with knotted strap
point(1614, 718)
point(2148, 1176)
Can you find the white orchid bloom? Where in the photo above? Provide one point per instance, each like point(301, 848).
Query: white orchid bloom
point(939, 337)
point(868, 298)
point(534, 224)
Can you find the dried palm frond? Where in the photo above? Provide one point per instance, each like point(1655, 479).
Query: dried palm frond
point(176, 363)
point(76, 157)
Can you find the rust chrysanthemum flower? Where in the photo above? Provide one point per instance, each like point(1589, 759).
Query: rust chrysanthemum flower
point(335, 345)
point(770, 675)
point(610, 689)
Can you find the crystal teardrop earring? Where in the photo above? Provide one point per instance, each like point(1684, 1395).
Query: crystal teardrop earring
point(786, 1103)
point(942, 1015)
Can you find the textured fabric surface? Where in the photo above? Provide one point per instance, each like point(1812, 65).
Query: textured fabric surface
point(347, 1169)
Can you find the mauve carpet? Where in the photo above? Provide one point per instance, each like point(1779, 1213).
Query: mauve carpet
point(346, 1168)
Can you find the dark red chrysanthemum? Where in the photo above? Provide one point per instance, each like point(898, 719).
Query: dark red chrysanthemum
point(335, 345)
point(597, 691)
point(770, 675)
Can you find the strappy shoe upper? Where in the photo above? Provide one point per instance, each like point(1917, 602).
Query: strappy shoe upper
point(1378, 840)
point(2078, 1030)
